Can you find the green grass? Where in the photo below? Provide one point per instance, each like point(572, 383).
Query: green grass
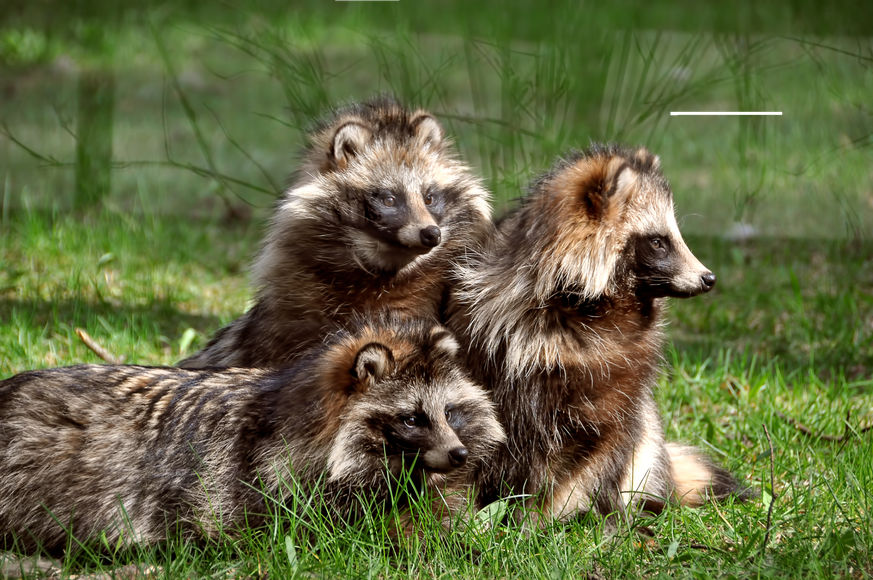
point(512, 105)
point(136, 285)
point(789, 328)
point(737, 357)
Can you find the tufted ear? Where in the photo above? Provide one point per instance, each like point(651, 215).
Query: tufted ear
point(648, 161)
point(445, 341)
point(427, 130)
point(372, 363)
point(348, 141)
point(625, 186)
point(603, 186)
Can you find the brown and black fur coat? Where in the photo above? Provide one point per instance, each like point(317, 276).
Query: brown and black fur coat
point(560, 317)
point(374, 219)
point(139, 452)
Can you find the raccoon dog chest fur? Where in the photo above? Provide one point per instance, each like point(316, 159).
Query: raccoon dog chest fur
point(561, 319)
point(373, 220)
point(137, 451)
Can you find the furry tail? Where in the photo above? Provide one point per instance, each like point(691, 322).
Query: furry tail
point(698, 479)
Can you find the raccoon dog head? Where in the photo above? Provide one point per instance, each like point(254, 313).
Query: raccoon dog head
point(382, 182)
point(409, 403)
point(386, 181)
point(617, 229)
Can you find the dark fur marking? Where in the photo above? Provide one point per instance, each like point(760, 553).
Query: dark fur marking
point(576, 417)
point(317, 268)
point(226, 430)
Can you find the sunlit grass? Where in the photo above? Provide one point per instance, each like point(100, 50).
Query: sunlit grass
point(137, 285)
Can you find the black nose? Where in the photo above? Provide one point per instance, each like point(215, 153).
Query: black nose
point(458, 456)
point(430, 236)
point(708, 281)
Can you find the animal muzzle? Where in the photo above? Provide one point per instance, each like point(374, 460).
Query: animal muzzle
point(445, 460)
point(693, 283)
point(430, 236)
point(419, 238)
point(690, 277)
point(458, 456)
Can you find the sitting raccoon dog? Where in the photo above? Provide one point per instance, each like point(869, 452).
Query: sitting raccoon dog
point(375, 217)
point(561, 319)
point(136, 451)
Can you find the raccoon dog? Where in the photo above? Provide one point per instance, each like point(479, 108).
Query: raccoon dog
point(134, 451)
point(561, 319)
point(373, 220)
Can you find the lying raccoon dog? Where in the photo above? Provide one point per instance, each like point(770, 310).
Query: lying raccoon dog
point(560, 318)
point(134, 451)
point(372, 222)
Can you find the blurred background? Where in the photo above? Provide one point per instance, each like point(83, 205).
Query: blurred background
point(179, 122)
point(225, 88)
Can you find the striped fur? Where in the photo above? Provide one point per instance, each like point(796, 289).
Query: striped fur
point(560, 317)
point(372, 222)
point(134, 451)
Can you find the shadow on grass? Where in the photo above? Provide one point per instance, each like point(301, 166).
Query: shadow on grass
point(39, 333)
point(161, 317)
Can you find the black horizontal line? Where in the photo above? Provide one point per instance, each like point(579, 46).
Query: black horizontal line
point(727, 113)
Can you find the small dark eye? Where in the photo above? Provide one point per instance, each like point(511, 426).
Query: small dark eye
point(657, 244)
point(448, 415)
point(388, 200)
point(409, 422)
point(428, 199)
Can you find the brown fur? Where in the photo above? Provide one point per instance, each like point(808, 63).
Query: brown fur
point(560, 317)
point(136, 452)
point(334, 249)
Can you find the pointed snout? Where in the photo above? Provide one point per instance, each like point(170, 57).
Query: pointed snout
point(458, 456)
point(430, 236)
point(419, 237)
point(666, 266)
point(691, 278)
point(445, 459)
point(708, 280)
point(693, 284)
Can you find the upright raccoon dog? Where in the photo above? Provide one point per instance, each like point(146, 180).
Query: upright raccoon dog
point(373, 220)
point(561, 319)
point(135, 451)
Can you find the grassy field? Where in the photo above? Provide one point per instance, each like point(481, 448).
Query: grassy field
point(788, 330)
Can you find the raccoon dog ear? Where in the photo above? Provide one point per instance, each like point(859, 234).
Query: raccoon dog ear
point(445, 341)
point(647, 159)
point(372, 362)
point(349, 140)
point(428, 130)
point(606, 186)
point(625, 186)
